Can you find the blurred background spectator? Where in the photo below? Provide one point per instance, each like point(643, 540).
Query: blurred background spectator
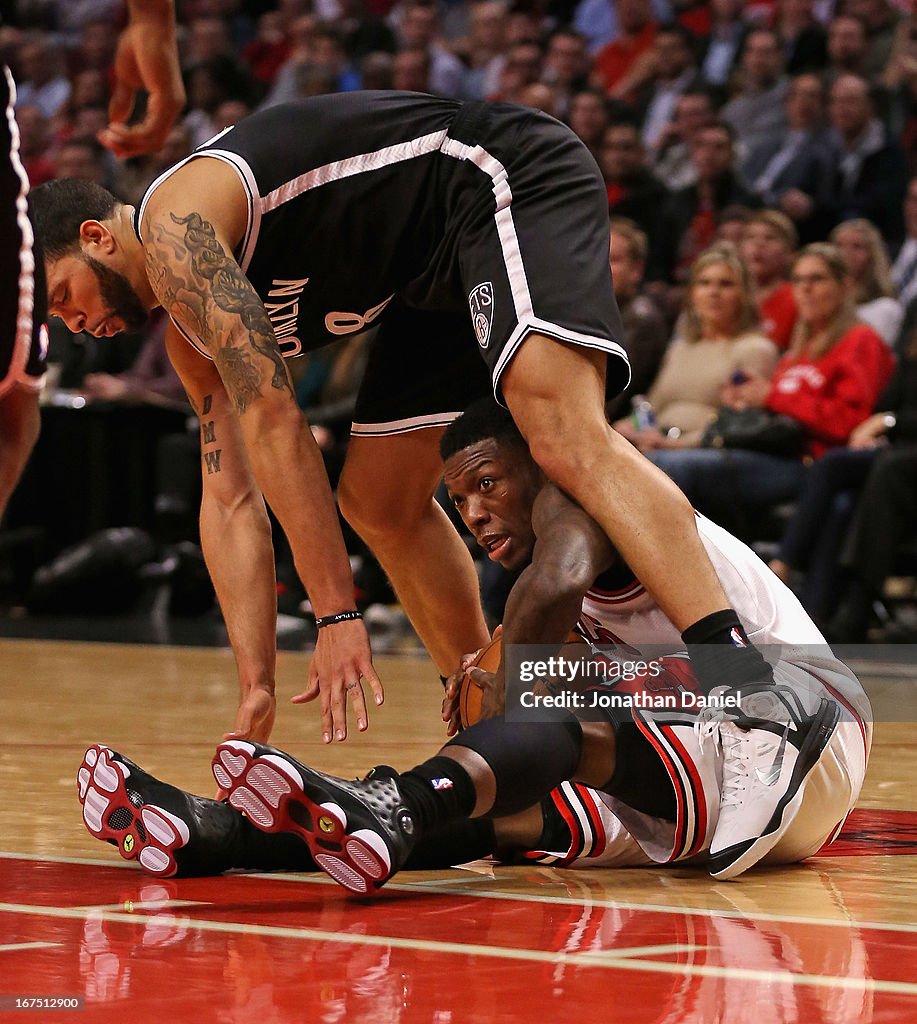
point(869, 276)
point(716, 339)
point(828, 382)
point(767, 246)
point(645, 333)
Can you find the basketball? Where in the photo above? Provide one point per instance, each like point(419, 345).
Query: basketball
point(471, 697)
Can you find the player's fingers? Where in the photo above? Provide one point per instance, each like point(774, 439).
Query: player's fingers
point(479, 677)
point(355, 692)
point(311, 691)
point(450, 704)
point(454, 724)
point(368, 674)
point(326, 717)
point(120, 104)
point(468, 659)
point(339, 712)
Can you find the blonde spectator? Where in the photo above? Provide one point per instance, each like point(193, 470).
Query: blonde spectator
point(717, 341)
point(828, 382)
point(869, 274)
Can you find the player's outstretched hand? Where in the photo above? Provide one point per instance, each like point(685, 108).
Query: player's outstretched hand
point(341, 664)
point(254, 720)
point(146, 58)
point(255, 717)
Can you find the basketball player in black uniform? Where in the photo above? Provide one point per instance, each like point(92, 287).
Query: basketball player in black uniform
point(147, 57)
point(455, 229)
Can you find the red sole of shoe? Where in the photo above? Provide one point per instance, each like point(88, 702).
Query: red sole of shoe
point(147, 834)
point(271, 792)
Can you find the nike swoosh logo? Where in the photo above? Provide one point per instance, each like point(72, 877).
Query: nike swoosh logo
point(770, 777)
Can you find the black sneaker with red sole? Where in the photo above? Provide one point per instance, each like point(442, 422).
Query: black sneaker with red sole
point(359, 833)
point(168, 831)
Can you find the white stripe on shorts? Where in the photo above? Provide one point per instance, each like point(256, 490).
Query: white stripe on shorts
point(405, 426)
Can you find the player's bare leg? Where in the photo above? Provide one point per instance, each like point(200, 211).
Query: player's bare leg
point(556, 394)
point(386, 494)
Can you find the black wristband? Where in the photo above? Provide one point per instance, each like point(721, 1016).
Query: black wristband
point(330, 620)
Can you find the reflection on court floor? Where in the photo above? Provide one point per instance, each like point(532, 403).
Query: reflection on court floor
point(833, 940)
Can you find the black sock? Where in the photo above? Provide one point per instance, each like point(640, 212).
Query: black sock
point(268, 851)
point(556, 835)
point(721, 653)
point(439, 792)
point(457, 843)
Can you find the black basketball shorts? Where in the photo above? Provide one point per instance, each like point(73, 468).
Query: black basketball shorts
point(524, 250)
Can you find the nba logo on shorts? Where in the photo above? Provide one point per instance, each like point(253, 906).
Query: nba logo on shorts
point(481, 304)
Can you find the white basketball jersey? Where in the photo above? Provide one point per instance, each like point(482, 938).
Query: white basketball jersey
point(618, 612)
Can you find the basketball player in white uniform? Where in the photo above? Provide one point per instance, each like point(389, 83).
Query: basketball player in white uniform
point(766, 772)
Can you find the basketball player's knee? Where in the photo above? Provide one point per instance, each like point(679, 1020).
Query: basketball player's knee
point(378, 512)
point(355, 503)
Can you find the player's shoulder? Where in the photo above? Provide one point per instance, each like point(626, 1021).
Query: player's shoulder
point(206, 190)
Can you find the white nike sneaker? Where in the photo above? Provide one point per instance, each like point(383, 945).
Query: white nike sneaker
point(770, 746)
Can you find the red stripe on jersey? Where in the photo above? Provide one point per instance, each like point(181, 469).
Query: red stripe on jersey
point(700, 805)
point(631, 583)
point(598, 829)
point(680, 804)
point(576, 837)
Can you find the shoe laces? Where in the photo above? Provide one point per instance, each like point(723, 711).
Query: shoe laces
point(735, 767)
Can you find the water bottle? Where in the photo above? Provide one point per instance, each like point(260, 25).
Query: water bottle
point(642, 413)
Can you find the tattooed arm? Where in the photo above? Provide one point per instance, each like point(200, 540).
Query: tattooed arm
point(196, 278)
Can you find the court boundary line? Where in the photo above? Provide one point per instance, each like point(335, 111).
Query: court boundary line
point(459, 889)
point(611, 960)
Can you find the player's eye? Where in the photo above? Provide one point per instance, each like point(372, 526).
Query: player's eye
point(486, 483)
point(456, 500)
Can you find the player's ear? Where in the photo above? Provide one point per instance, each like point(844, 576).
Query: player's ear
point(96, 235)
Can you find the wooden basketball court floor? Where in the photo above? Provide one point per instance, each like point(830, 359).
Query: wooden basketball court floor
point(832, 940)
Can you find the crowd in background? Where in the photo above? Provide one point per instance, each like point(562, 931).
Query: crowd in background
point(760, 161)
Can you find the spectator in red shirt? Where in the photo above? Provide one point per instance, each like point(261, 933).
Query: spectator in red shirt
point(615, 62)
point(34, 144)
point(767, 246)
